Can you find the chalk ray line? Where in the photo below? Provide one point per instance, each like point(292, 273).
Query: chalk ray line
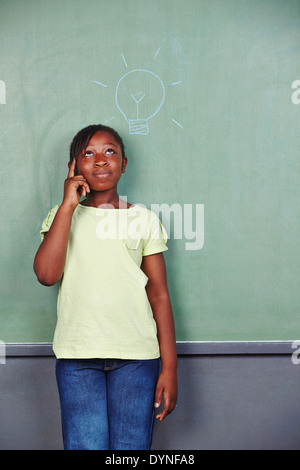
point(157, 53)
point(177, 123)
point(124, 60)
point(99, 83)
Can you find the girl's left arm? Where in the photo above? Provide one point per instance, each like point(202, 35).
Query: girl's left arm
point(158, 294)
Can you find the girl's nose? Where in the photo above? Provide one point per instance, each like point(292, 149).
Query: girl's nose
point(100, 160)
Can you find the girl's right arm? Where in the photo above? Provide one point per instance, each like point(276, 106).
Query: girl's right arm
point(50, 258)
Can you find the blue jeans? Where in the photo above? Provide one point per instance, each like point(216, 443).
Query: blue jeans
point(107, 404)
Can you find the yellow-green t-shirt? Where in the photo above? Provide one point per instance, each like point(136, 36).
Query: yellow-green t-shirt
point(102, 309)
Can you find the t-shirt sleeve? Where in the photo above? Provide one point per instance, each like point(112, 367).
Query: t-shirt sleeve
point(48, 221)
point(157, 236)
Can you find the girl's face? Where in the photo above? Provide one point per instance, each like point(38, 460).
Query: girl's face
point(101, 163)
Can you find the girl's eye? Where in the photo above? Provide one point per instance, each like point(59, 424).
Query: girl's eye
point(90, 153)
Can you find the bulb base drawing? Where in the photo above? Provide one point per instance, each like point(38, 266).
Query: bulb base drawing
point(138, 126)
point(139, 96)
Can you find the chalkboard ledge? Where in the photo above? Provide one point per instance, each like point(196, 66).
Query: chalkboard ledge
point(184, 348)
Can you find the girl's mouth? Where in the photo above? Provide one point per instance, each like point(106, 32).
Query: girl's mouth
point(101, 174)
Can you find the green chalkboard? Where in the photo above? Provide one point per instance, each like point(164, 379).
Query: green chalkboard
point(206, 96)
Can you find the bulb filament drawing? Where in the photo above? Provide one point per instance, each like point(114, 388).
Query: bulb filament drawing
point(139, 96)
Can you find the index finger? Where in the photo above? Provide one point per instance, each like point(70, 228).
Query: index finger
point(72, 169)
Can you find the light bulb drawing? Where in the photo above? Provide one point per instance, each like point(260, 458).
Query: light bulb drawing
point(139, 96)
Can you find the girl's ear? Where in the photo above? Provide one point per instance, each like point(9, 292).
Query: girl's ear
point(124, 164)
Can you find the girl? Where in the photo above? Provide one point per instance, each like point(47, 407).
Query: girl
point(114, 313)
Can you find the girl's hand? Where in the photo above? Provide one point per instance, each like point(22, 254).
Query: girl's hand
point(75, 187)
point(166, 387)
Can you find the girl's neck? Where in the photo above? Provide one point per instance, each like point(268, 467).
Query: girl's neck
point(96, 199)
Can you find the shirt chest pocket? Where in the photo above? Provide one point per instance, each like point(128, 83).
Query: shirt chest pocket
point(134, 248)
point(133, 252)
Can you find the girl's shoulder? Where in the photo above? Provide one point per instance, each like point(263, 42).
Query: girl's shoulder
point(147, 215)
point(151, 222)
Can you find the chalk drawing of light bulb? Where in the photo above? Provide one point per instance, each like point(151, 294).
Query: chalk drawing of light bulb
point(139, 96)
